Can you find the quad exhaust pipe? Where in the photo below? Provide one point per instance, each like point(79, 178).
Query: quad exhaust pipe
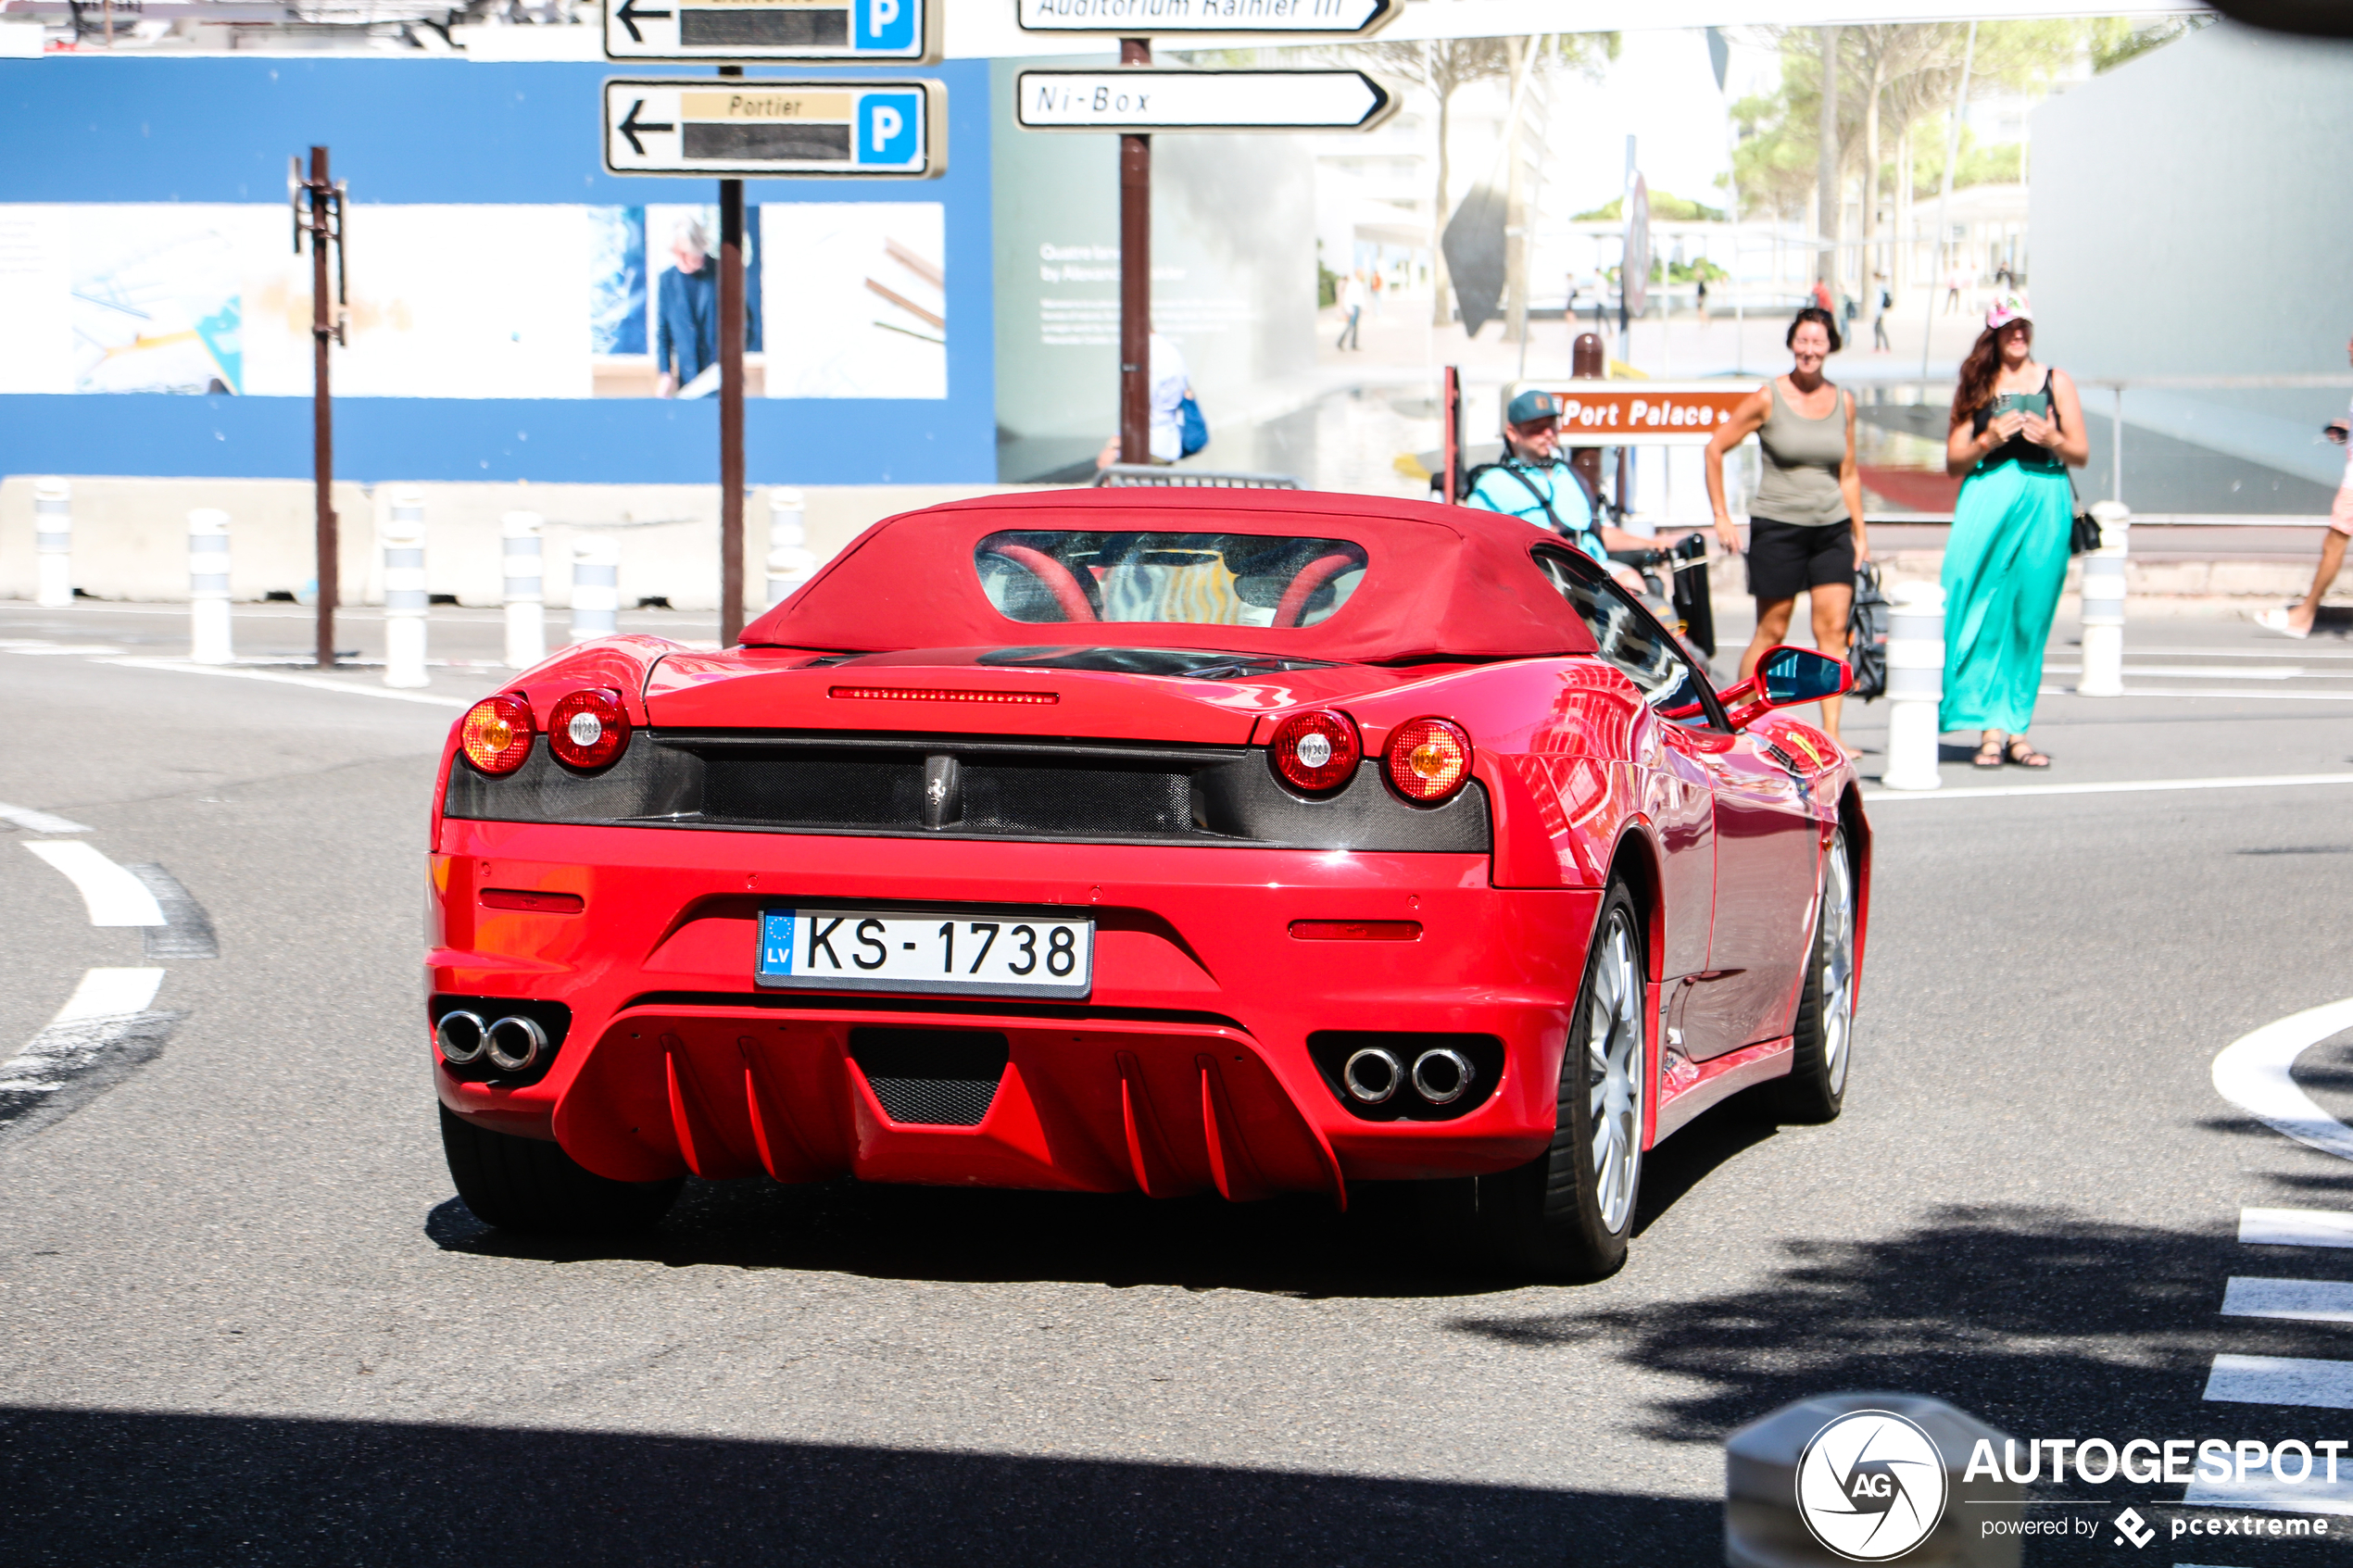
point(1373, 1076)
point(513, 1044)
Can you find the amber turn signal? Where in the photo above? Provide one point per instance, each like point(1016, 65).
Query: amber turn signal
point(1429, 760)
point(495, 734)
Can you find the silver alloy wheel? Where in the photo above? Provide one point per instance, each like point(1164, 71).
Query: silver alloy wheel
point(1613, 1070)
point(1836, 955)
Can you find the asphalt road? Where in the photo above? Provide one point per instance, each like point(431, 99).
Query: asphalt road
point(246, 1321)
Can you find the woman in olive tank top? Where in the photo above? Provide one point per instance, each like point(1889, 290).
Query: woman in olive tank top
point(1805, 521)
point(2016, 427)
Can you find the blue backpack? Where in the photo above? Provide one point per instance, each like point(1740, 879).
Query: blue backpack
point(1194, 430)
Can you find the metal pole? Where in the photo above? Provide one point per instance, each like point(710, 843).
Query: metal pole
point(1944, 195)
point(731, 405)
point(322, 418)
point(1135, 279)
point(2116, 458)
point(1587, 363)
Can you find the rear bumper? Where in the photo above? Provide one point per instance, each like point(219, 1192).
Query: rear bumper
point(1186, 1070)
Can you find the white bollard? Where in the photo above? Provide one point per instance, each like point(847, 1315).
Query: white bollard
point(53, 541)
point(595, 588)
point(2104, 603)
point(1825, 1481)
point(790, 563)
point(405, 600)
point(526, 590)
point(1915, 685)
point(208, 587)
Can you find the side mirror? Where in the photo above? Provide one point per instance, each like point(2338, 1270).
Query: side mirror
point(1786, 677)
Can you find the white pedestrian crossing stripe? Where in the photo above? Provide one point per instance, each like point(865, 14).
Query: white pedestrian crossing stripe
point(2306, 1301)
point(2296, 1227)
point(2280, 1380)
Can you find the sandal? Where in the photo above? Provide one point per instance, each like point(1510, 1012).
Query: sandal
point(1989, 755)
point(2021, 753)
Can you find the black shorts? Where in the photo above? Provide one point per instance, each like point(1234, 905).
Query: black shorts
point(1786, 559)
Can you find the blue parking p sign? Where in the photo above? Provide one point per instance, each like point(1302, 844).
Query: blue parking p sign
point(889, 126)
point(885, 24)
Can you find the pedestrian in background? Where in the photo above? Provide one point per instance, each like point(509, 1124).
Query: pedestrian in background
point(1700, 298)
point(2016, 427)
point(1953, 292)
point(1171, 384)
point(1351, 304)
point(1878, 316)
point(2296, 621)
point(1806, 522)
point(1537, 483)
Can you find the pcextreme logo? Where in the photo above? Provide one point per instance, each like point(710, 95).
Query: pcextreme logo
point(1870, 1486)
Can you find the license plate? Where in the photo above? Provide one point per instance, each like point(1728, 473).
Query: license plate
point(972, 952)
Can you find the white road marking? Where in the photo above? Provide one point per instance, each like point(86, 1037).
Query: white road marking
point(113, 896)
point(69, 647)
point(316, 683)
point(2281, 1380)
point(102, 1033)
point(2217, 696)
point(2252, 1073)
point(32, 821)
point(2315, 1494)
point(2306, 1301)
point(2192, 671)
point(2296, 1227)
point(111, 993)
point(16, 644)
point(2117, 786)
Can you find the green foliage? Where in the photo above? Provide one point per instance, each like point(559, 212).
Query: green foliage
point(1664, 205)
point(2001, 164)
point(2116, 40)
point(1776, 162)
point(1326, 286)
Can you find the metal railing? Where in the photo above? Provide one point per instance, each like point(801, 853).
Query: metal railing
point(1153, 475)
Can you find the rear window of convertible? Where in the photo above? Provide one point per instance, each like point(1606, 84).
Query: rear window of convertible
point(1184, 579)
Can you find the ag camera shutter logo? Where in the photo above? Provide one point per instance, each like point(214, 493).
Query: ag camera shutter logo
point(1870, 1486)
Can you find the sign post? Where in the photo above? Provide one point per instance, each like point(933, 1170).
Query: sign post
point(734, 128)
point(1137, 101)
point(318, 212)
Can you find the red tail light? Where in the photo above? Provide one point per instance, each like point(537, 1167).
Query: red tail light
point(1316, 752)
point(1429, 760)
point(587, 729)
point(495, 734)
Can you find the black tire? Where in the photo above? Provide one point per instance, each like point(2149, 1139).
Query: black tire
point(530, 1185)
point(1815, 1088)
point(1556, 1217)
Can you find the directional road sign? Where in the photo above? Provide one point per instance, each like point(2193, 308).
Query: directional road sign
point(1144, 18)
point(794, 31)
point(749, 126)
point(1639, 413)
point(1140, 100)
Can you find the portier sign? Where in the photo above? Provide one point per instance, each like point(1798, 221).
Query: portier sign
point(1143, 19)
point(726, 127)
point(780, 32)
point(1639, 413)
point(1141, 101)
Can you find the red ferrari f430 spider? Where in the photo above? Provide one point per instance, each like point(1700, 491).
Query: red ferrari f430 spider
point(1173, 842)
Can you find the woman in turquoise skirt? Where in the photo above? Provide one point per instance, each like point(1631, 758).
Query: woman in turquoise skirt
point(2017, 428)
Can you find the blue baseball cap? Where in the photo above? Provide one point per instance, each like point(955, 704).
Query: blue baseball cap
point(1531, 406)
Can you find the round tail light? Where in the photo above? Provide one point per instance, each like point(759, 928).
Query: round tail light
point(1428, 759)
point(588, 729)
point(1316, 752)
point(495, 734)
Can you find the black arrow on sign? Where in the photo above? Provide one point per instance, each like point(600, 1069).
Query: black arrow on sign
point(627, 16)
point(631, 125)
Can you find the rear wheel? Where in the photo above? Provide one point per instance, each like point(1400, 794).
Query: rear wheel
point(531, 1185)
point(1568, 1214)
point(1815, 1088)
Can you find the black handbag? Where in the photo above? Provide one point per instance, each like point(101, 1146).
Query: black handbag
point(1867, 635)
point(2085, 534)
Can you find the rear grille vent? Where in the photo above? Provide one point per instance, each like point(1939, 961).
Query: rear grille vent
point(931, 1077)
point(983, 794)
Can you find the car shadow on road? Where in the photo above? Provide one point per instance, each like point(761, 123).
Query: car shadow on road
point(135, 1486)
point(1394, 1241)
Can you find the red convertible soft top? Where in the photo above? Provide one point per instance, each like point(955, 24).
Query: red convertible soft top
point(1439, 581)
